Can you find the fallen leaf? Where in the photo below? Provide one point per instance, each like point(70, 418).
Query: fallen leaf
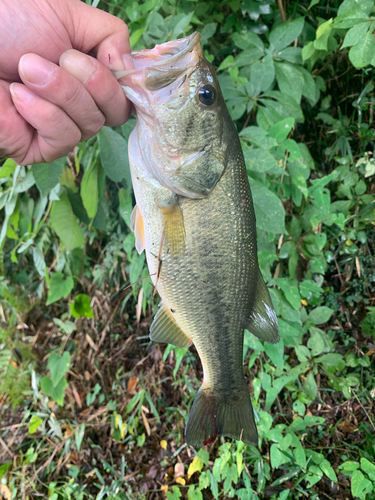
point(5, 491)
point(132, 383)
point(164, 488)
point(146, 424)
point(76, 395)
point(163, 444)
point(151, 474)
point(346, 426)
point(195, 466)
point(85, 413)
point(179, 470)
point(181, 480)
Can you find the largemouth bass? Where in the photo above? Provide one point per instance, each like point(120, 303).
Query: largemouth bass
point(195, 219)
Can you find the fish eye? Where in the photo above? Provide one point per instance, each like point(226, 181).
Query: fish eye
point(207, 95)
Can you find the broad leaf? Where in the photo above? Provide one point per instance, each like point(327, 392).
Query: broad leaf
point(363, 52)
point(81, 307)
point(59, 287)
point(320, 315)
point(89, 190)
point(268, 209)
point(58, 366)
point(262, 73)
point(114, 156)
point(285, 33)
point(65, 224)
point(56, 393)
point(47, 175)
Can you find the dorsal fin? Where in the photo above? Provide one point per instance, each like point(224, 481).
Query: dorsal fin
point(165, 329)
point(138, 228)
point(263, 320)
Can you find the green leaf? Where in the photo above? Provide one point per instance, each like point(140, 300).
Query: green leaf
point(260, 160)
point(79, 433)
point(39, 262)
point(276, 353)
point(182, 25)
point(312, 3)
point(47, 175)
point(56, 393)
point(299, 453)
point(303, 353)
point(277, 457)
point(268, 209)
point(58, 366)
point(291, 292)
point(349, 467)
point(194, 493)
point(34, 423)
point(282, 129)
point(285, 33)
point(322, 35)
point(365, 6)
point(207, 32)
point(328, 470)
point(89, 190)
point(65, 224)
point(313, 476)
point(65, 326)
point(8, 168)
point(310, 387)
point(354, 34)
point(333, 362)
point(320, 315)
point(114, 156)
point(259, 137)
point(351, 19)
point(81, 307)
point(289, 79)
point(316, 343)
point(59, 287)
point(262, 73)
point(362, 53)
point(359, 483)
point(247, 40)
point(125, 205)
point(368, 467)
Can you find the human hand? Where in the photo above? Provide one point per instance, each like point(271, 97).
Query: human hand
point(66, 96)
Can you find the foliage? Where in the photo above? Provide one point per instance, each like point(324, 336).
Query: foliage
point(299, 85)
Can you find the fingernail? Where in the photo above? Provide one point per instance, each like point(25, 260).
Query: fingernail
point(128, 61)
point(78, 64)
point(21, 93)
point(35, 69)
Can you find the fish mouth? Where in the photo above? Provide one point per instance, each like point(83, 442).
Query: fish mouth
point(170, 56)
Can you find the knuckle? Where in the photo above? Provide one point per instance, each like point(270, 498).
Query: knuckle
point(94, 128)
point(122, 26)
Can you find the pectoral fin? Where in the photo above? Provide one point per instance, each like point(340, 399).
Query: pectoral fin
point(138, 228)
point(174, 227)
point(164, 329)
point(263, 320)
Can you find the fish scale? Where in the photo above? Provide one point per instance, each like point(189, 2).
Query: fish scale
point(198, 230)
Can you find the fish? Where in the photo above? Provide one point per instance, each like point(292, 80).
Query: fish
point(194, 217)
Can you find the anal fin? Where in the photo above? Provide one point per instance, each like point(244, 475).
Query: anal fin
point(263, 320)
point(165, 329)
point(138, 228)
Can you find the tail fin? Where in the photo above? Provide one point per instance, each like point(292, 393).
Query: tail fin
point(215, 415)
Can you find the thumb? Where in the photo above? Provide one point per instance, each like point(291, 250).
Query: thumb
point(96, 31)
